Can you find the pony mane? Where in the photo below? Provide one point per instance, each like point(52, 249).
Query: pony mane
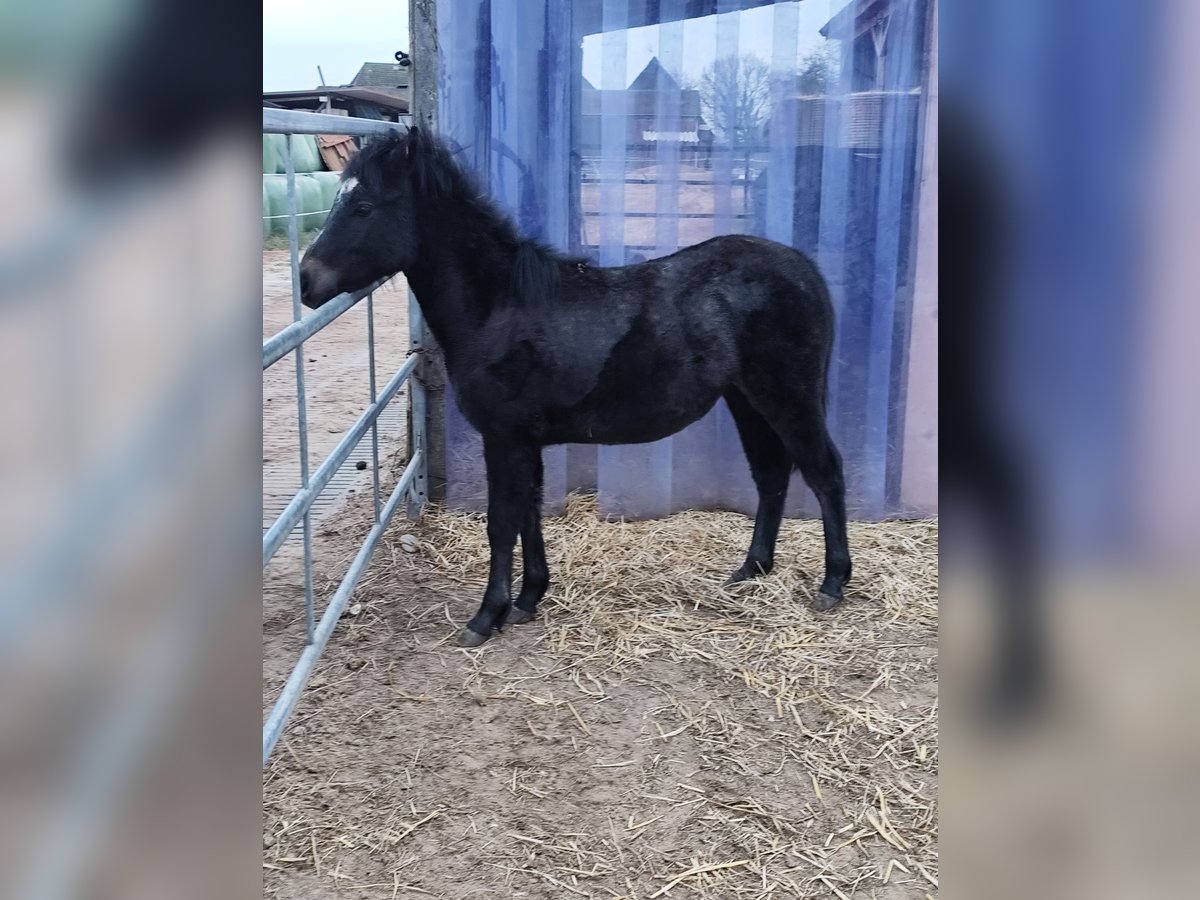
point(434, 176)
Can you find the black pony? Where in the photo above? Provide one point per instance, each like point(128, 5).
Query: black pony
point(542, 350)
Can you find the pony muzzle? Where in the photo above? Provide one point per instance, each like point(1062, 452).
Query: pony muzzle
point(318, 282)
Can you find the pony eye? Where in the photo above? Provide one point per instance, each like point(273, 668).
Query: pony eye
point(363, 209)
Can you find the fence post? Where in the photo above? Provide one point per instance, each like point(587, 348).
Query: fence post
point(429, 380)
point(418, 410)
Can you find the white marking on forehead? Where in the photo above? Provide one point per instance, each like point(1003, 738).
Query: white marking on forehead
point(347, 186)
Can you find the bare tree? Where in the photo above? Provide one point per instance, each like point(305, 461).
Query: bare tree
point(816, 69)
point(735, 95)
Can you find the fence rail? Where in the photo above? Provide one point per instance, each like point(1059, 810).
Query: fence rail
point(410, 486)
point(291, 121)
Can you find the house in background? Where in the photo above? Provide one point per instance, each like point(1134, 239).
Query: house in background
point(654, 90)
point(390, 79)
point(870, 45)
point(869, 110)
point(378, 91)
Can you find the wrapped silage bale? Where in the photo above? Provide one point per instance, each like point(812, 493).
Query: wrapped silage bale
point(309, 203)
point(273, 163)
point(305, 155)
point(275, 190)
point(266, 213)
point(329, 182)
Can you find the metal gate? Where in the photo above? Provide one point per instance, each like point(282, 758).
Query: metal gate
point(410, 486)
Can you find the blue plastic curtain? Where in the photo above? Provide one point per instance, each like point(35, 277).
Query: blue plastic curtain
point(599, 126)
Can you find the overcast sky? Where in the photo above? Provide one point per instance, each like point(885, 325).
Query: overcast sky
point(299, 35)
point(753, 32)
point(337, 35)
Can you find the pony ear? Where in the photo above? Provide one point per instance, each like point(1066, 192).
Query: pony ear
point(400, 149)
point(413, 138)
point(424, 163)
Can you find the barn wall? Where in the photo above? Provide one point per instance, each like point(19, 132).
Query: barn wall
point(835, 169)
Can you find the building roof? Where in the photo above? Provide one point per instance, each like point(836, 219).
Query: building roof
point(387, 75)
point(855, 18)
point(643, 96)
point(390, 99)
point(383, 84)
point(654, 78)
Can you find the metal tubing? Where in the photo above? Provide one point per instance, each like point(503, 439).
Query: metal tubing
point(301, 397)
point(287, 339)
point(371, 378)
point(290, 694)
point(411, 486)
point(292, 121)
point(304, 498)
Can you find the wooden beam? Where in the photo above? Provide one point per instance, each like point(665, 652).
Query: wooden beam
point(431, 371)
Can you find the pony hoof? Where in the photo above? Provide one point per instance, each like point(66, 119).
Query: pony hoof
point(824, 601)
point(518, 616)
point(469, 638)
point(744, 574)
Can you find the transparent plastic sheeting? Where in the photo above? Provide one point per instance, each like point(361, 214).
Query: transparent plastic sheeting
point(595, 124)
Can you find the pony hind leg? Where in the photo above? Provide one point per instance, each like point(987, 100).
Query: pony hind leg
point(771, 468)
point(821, 465)
point(800, 423)
point(536, 575)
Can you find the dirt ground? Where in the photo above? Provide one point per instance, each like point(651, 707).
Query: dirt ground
point(337, 388)
point(693, 198)
point(336, 383)
point(650, 735)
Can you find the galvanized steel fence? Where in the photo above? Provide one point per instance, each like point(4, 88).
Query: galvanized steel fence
point(411, 485)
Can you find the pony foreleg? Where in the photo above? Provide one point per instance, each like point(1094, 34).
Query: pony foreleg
point(511, 476)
